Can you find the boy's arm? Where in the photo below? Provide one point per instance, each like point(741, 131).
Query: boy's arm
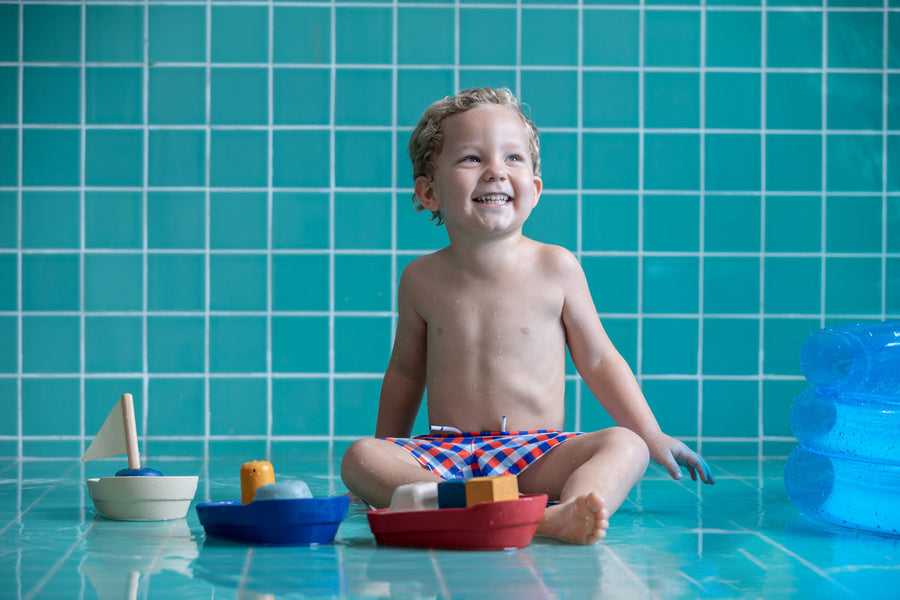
point(611, 380)
point(404, 379)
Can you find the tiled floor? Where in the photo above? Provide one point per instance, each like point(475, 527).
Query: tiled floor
point(741, 538)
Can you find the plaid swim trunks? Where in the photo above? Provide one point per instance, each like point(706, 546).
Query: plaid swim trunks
point(466, 455)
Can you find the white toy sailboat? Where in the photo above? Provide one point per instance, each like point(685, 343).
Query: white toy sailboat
point(134, 494)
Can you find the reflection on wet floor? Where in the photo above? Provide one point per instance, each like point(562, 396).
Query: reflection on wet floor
point(739, 538)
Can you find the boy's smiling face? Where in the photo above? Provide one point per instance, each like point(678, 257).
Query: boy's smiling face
point(484, 180)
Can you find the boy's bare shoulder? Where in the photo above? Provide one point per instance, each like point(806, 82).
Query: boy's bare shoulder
point(556, 259)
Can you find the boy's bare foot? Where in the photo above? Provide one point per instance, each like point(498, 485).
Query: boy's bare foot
point(581, 520)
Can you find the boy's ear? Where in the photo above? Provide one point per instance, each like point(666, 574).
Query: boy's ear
point(425, 194)
point(538, 186)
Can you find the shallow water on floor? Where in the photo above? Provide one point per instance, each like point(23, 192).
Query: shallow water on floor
point(740, 538)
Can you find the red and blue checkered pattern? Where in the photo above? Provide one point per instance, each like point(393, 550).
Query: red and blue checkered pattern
point(486, 453)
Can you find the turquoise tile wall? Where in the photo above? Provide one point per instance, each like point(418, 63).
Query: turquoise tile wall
point(207, 203)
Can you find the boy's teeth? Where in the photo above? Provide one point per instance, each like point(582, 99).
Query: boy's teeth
point(493, 199)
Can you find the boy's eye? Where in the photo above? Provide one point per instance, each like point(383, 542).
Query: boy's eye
point(471, 158)
point(515, 158)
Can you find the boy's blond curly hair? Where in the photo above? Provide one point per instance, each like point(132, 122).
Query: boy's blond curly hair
point(427, 139)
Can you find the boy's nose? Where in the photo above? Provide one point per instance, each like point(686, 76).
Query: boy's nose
point(495, 172)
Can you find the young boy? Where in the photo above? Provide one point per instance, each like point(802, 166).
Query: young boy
point(483, 326)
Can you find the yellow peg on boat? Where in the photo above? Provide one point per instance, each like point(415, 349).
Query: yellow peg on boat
point(253, 475)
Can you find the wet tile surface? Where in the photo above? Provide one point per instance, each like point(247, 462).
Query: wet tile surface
point(741, 538)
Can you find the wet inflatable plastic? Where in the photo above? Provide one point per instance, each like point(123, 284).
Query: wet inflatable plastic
point(846, 470)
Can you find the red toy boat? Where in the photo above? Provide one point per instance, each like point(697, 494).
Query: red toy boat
point(485, 526)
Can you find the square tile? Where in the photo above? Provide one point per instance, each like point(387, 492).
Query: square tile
point(51, 33)
point(301, 96)
point(312, 149)
point(552, 35)
point(177, 158)
point(853, 224)
point(51, 220)
point(612, 38)
point(239, 96)
point(370, 109)
point(671, 223)
point(113, 219)
point(184, 397)
point(781, 340)
point(51, 95)
point(732, 223)
point(177, 33)
point(9, 295)
point(237, 344)
point(300, 220)
point(237, 406)
point(300, 282)
point(732, 162)
point(731, 285)
point(302, 34)
point(731, 347)
point(425, 35)
point(362, 159)
point(175, 345)
point(853, 285)
point(299, 406)
point(793, 224)
point(613, 282)
point(794, 100)
point(674, 403)
point(610, 222)
point(114, 158)
point(487, 36)
point(50, 282)
point(614, 159)
point(671, 284)
point(854, 101)
point(559, 161)
point(854, 163)
point(177, 96)
point(658, 357)
point(238, 220)
point(730, 408)
point(9, 220)
point(113, 344)
point(176, 282)
point(671, 161)
point(545, 96)
point(9, 155)
point(794, 163)
point(176, 220)
point(240, 34)
point(792, 285)
point(855, 39)
point(114, 96)
point(309, 357)
point(611, 99)
point(113, 282)
point(733, 38)
point(794, 39)
point(363, 35)
point(114, 33)
point(238, 158)
point(42, 411)
point(671, 99)
point(361, 344)
point(416, 90)
point(377, 208)
point(733, 100)
point(238, 282)
point(672, 38)
point(60, 357)
point(50, 157)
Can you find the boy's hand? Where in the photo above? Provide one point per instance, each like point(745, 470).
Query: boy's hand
point(673, 454)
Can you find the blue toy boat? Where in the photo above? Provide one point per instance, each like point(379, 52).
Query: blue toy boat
point(280, 521)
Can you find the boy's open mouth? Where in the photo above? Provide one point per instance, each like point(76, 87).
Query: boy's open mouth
point(493, 199)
